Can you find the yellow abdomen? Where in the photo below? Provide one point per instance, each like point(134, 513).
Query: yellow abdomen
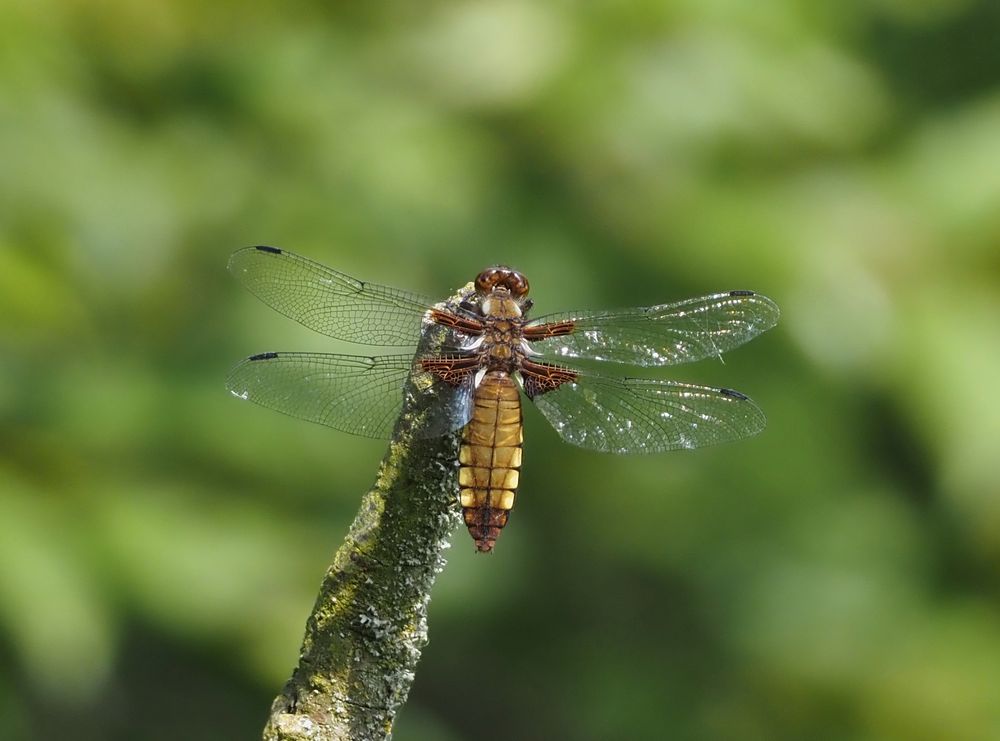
point(490, 458)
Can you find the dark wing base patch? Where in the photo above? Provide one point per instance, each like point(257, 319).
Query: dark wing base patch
point(541, 377)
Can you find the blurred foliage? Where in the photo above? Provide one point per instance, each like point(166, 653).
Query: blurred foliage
point(837, 577)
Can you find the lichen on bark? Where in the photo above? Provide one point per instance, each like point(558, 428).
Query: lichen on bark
point(369, 624)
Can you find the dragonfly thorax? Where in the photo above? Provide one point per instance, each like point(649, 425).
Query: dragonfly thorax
point(501, 347)
point(500, 305)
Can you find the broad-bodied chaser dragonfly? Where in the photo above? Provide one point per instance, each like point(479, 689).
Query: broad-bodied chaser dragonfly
point(491, 345)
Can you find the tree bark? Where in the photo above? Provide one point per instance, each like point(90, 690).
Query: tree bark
point(369, 624)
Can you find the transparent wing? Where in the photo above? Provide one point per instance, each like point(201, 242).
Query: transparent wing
point(658, 335)
point(636, 415)
point(328, 301)
point(351, 393)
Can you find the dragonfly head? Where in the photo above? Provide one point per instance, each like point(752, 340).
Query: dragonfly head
point(500, 277)
point(502, 292)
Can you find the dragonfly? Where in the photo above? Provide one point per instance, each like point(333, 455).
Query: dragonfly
point(490, 354)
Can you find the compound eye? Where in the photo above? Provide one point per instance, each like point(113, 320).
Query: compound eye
point(518, 283)
point(487, 279)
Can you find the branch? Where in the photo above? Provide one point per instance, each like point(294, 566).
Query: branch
point(369, 624)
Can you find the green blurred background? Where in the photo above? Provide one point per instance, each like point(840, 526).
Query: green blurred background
point(837, 577)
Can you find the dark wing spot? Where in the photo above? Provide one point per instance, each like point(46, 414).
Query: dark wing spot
point(272, 250)
point(264, 356)
point(734, 394)
point(741, 293)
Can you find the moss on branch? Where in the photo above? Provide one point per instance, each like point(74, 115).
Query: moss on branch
point(369, 624)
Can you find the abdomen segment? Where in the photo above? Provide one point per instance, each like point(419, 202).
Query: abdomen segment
point(490, 458)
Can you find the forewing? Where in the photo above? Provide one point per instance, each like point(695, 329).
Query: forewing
point(657, 335)
point(328, 301)
point(636, 415)
point(351, 393)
